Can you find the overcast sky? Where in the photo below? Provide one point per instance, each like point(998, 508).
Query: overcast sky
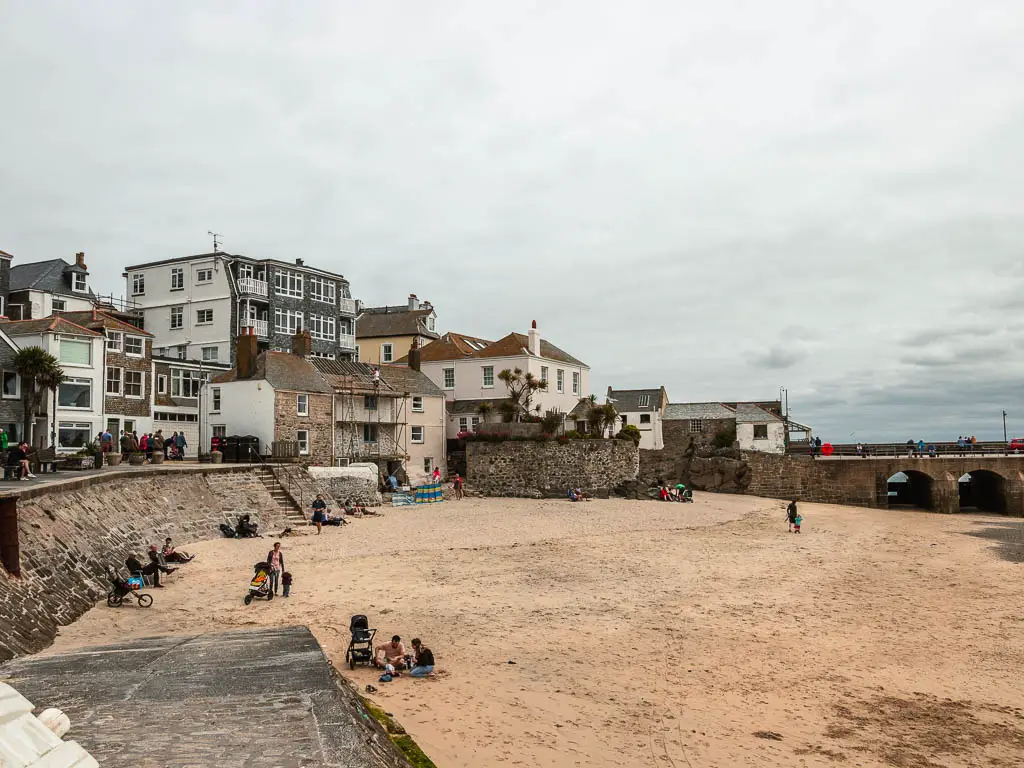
point(721, 198)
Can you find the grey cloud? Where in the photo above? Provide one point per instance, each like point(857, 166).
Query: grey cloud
point(779, 358)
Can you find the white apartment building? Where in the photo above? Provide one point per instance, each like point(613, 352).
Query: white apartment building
point(196, 306)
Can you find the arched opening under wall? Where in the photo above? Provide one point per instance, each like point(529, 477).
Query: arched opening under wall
point(910, 489)
point(982, 490)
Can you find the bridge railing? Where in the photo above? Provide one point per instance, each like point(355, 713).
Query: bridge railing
point(849, 450)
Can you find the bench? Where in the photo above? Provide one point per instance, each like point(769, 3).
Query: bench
point(46, 460)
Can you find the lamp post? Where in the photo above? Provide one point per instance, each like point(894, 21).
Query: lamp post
point(1005, 443)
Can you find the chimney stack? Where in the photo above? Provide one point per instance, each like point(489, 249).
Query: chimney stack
point(299, 262)
point(414, 355)
point(534, 345)
point(414, 303)
point(245, 354)
point(302, 343)
point(80, 259)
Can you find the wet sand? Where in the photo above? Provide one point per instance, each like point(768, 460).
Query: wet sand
point(649, 634)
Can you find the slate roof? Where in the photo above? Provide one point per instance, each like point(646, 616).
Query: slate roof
point(581, 409)
point(747, 413)
point(628, 400)
point(681, 411)
point(95, 320)
point(393, 321)
point(283, 370)
point(52, 324)
point(464, 407)
point(342, 374)
point(46, 276)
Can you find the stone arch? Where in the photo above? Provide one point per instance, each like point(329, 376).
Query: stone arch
point(914, 489)
point(983, 490)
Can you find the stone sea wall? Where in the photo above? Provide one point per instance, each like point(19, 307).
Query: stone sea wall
point(69, 534)
point(547, 470)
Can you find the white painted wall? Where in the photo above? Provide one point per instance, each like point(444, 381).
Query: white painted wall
point(42, 303)
point(247, 408)
point(434, 422)
point(776, 442)
point(650, 434)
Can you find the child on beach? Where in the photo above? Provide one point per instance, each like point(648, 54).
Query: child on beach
point(796, 523)
point(286, 582)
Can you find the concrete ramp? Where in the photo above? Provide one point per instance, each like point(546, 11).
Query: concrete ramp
point(258, 699)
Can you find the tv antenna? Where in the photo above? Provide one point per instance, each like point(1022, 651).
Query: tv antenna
point(217, 242)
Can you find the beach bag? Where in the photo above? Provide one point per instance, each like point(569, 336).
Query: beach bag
point(134, 582)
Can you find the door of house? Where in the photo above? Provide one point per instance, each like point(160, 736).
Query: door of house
point(113, 427)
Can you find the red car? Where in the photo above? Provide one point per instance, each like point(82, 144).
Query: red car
point(1016, 445)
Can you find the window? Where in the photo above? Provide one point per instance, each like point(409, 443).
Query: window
point(543, 373)
point(177, 279)
point(387, 353)
point(303, 439)
point(369, 433)
point(177, 317)
point(624, 418)
point(138, 284)
point(760, 431)
point(417, 404)
point(488, 376)
point(59, 305)
point(115, 341)
point(204, 316)
point(133, 383)
point(428, 464)
point(162, 416)
point(80, 283)
point(645, 418)
point(210, 353)
point(417, 434)
point(215, 399)
point(180, 351)
point(430, 323)
point(113, 381)
point(643, 401)
point(321, 327)
point(161, 384)
point(288, 283)
point(696, 425)
point(73, 435)
point(575, 382)
point(204, 275)
point(185, 383)
point(75, 393)
point(325, 355)
point(463, 424)
point(560, 380)
point(75, 352)
point(321, 289)
point(288, 321)
point(357, 353)
point(302, 405)
point(370, 402)
point(449, 378)
point(134, 346)
point(474, 422)
point(245, 272)
point(12, 385)
point(220, 430)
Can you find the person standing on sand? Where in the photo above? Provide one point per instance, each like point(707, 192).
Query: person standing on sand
point(276, 559)
point(796, 522)
point(791, 514)
point(457, 486)
point(319, 513)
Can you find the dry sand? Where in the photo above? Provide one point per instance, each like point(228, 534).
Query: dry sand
point(648, 634)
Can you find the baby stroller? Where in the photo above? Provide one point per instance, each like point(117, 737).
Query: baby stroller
point(127, 590)
point(260, 584)
point(360, 647)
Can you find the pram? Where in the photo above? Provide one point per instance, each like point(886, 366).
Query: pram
point(260, 584)
point(360, 647)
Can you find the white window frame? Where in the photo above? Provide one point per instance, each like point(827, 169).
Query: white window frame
point(141, 384)
point(302, 438)
point(215, 401)
point(139, 284)
point(219, 430)
point(302, 405)
point(178, 312)
point(74, 380)
point(79, 426)
point(204, 275)
point(643, 401)
point(200, 313)
point(294, 319)
point(474, 422)
point(543, 373)
point(53, 305)
point(161, 384)
point(80, 283)
point(115, 341)
point(72, 340)
point(444, 374)
point(321, 327)
point(575, 382)
point(119, 390)
point(417, 404)
point(210, 354)
point(288, 283)
point(487, 376)
point(463, 424)
point(177, 278)
point(430, 323)
point(179, 377)
point(132, 340)
point(559, 380)
point(322, 289)
point(17, 386)
point(412, 435)
point(387, 353)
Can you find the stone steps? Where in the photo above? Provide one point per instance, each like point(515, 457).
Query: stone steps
point(288, 508)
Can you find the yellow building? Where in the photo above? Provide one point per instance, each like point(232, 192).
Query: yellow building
point(385, 334)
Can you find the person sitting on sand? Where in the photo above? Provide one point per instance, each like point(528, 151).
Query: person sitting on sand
point(580, 495)
point(424, 664)
point(390, 653)
point(171, 555)
point(664, 494)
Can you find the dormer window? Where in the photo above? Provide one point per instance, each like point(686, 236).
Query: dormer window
point(430, 323)
point(80, 283)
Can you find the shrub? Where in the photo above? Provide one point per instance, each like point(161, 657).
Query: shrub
point(724, 438)
point(551, 422)
point(629, 432)
point(572, 434)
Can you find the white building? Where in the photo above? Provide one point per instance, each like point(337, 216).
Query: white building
point(40, 288)
point(466, 369)
point(758, 429)
point(644, 409)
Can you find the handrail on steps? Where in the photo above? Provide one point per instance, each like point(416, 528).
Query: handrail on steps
point(290, 484)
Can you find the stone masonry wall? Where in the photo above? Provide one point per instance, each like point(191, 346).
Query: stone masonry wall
point(68, 535)
point(547, 470)
point(319, 423)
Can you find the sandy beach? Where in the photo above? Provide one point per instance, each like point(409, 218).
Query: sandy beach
point(649, 634)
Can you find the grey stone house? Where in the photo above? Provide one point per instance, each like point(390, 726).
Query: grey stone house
point(40, 288)
point(12, 410)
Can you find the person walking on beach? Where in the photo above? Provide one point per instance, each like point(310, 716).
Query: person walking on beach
point(791, 514)
point(276, 559)
point(182, 445)
point(286, 583)
point(319, 513)
point(457, 486)
point(796, 522)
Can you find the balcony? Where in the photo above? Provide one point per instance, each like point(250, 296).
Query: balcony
point(258, 326)
point(346, 341)
point(250, 286)
point(347, 307)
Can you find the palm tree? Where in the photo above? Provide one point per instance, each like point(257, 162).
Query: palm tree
point(40, 372)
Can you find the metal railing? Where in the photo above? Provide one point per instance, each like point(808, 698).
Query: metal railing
point(250, 286)
point(347, 306)
point(259, 326)
point(347, 340)
point(897, 450)
point(287, 476)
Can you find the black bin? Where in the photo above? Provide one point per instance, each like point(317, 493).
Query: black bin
point(230, 449)
point(248, 448)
